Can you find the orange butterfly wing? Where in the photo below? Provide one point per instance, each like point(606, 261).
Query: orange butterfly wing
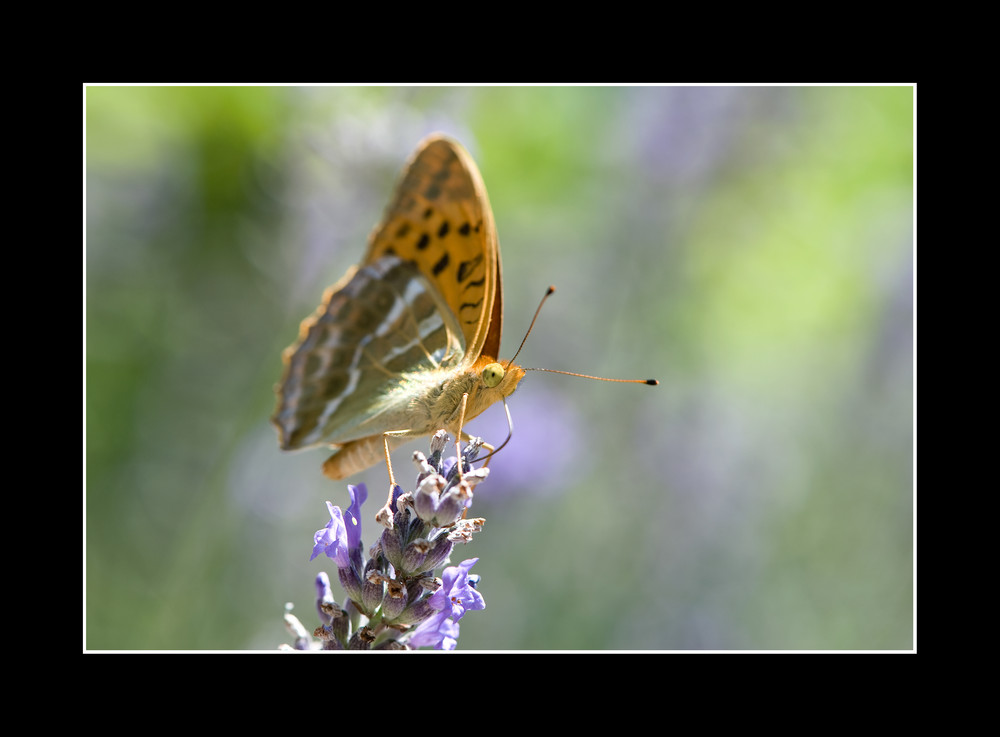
point(440, 218)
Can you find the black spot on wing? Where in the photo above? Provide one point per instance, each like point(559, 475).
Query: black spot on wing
point(466, 268)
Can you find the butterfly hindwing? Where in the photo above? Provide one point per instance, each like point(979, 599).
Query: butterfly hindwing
point(364, 353)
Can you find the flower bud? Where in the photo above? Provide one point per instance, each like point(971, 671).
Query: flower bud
point(372, 588)
point(414, 555)
point(392, 546)
point(362, 639)
point(351, 582)
point(296, 629)
point(441, 548)
point(415, 613)
point(395, 600)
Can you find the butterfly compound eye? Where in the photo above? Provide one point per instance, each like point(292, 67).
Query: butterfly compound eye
point(492, 374)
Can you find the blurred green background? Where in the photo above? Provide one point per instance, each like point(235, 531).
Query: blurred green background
point(750, 247)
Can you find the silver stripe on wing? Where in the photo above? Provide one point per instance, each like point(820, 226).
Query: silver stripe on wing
point(352, 374)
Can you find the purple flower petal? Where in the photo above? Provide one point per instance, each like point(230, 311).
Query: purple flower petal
point(438, 631)
point(456, 595)
point(324, 595)
point(333, 539)
point(352, 516)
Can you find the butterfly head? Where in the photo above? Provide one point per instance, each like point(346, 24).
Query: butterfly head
point(490, 381)
point(498, 379)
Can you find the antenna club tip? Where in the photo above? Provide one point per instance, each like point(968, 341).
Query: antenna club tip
point(551, 290)
point(652, 382)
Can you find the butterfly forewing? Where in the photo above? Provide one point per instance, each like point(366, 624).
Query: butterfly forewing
point(440, 218)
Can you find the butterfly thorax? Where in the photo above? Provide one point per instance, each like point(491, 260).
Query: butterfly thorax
point(442, 407)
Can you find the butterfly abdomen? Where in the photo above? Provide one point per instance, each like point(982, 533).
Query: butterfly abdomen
point(357, 455)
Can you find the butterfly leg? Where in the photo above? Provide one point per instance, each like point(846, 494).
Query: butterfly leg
point(459, 435)
point(384, 515)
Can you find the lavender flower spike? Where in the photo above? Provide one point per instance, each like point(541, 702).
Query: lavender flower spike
point(394, 600)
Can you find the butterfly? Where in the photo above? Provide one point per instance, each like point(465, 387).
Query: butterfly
point(398, 341)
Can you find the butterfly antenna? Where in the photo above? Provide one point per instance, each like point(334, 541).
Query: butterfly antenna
point(506, 409)
point(651, 382)
point(548, 292)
